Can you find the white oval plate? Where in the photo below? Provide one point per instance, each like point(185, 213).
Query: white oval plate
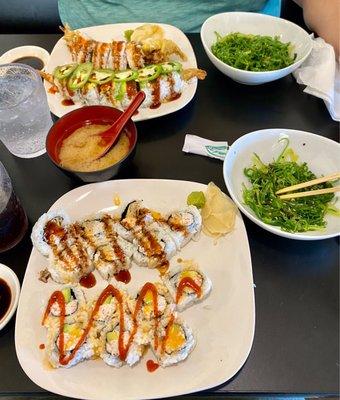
point(321, 154)
point(223, 324)
point(60, 55)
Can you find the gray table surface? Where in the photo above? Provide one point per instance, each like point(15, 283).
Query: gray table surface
point(296, 347)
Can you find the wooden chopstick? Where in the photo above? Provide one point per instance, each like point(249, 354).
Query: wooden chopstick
point(328, 178)
point(309, 193)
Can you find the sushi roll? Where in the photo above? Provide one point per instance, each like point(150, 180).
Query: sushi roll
point(50, 228)
point(176, 341)
point(134, 55)
point(68, 265)
point(113, 253)
point(112, 353)
point(94, 232)
point(111, 258)
point(90, 94)
point(108, 94)
point(70, 336)
point(75, 307)
point(117, 59)
point(187, 285)
point(136, 210)
point(106, 312)
point(162, 89)
point(101, 55)
point(185, 225)
point(130, 91)
point(148, 306)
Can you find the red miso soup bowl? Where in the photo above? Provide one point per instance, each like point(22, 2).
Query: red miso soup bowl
point(74, 120)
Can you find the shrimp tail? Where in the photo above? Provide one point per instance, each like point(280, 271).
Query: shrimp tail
point(190, 73)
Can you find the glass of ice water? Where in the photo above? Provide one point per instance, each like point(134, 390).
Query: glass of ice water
point(25, 117)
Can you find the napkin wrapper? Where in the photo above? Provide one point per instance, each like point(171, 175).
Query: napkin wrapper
point(204, 147)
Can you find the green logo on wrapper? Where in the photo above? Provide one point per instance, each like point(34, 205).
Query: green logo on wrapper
point(217, 151)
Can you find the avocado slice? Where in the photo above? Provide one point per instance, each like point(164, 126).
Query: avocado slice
point(67, 294)
point(69, 328)
point(112, 336)
point(108, 299)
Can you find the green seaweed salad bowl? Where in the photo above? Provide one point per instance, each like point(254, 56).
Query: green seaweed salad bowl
point(254, 48)
point(260, 163)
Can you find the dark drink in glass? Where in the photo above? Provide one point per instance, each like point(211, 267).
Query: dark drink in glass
point(13, 219)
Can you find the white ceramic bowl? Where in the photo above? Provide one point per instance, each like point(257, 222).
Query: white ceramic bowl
point(322, 156)
point(12, 281)
point(258, 24)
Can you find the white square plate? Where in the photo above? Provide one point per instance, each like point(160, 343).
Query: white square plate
point(223, 324)
point(61, 55)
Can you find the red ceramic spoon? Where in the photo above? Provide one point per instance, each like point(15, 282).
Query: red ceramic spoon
point(110, 136)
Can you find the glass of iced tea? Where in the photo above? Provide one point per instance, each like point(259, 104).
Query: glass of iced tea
point(13, 219)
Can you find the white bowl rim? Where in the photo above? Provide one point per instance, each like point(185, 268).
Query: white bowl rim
point(271, 228)
point(258, 15)
point(16, 285)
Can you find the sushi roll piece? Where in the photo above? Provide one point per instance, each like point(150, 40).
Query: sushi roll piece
point(94, 232)
point(75, 307)
point(185, 225)
point(112, 353)
point(176, 341)
point(111, 258)
point(136, 210)
point(165, 239)
point(106, 312)
point(68, 265)
point(113, 253)
point(148, 306)
point(90, 94)
point(117, 59)
point(187, 285)
point(101, 54)
point(134, 55)
point(162, 89)
point(131, 90)
point(61, 345)
point(50, 228)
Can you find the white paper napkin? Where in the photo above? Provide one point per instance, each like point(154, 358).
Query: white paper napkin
point(204, 147)
point(320, 72)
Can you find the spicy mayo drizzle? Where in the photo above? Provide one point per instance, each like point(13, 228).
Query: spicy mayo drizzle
point(109, 290)
point(190, 283)
point(151, 366)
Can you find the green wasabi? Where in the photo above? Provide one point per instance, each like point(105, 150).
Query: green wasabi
point(196, 199)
